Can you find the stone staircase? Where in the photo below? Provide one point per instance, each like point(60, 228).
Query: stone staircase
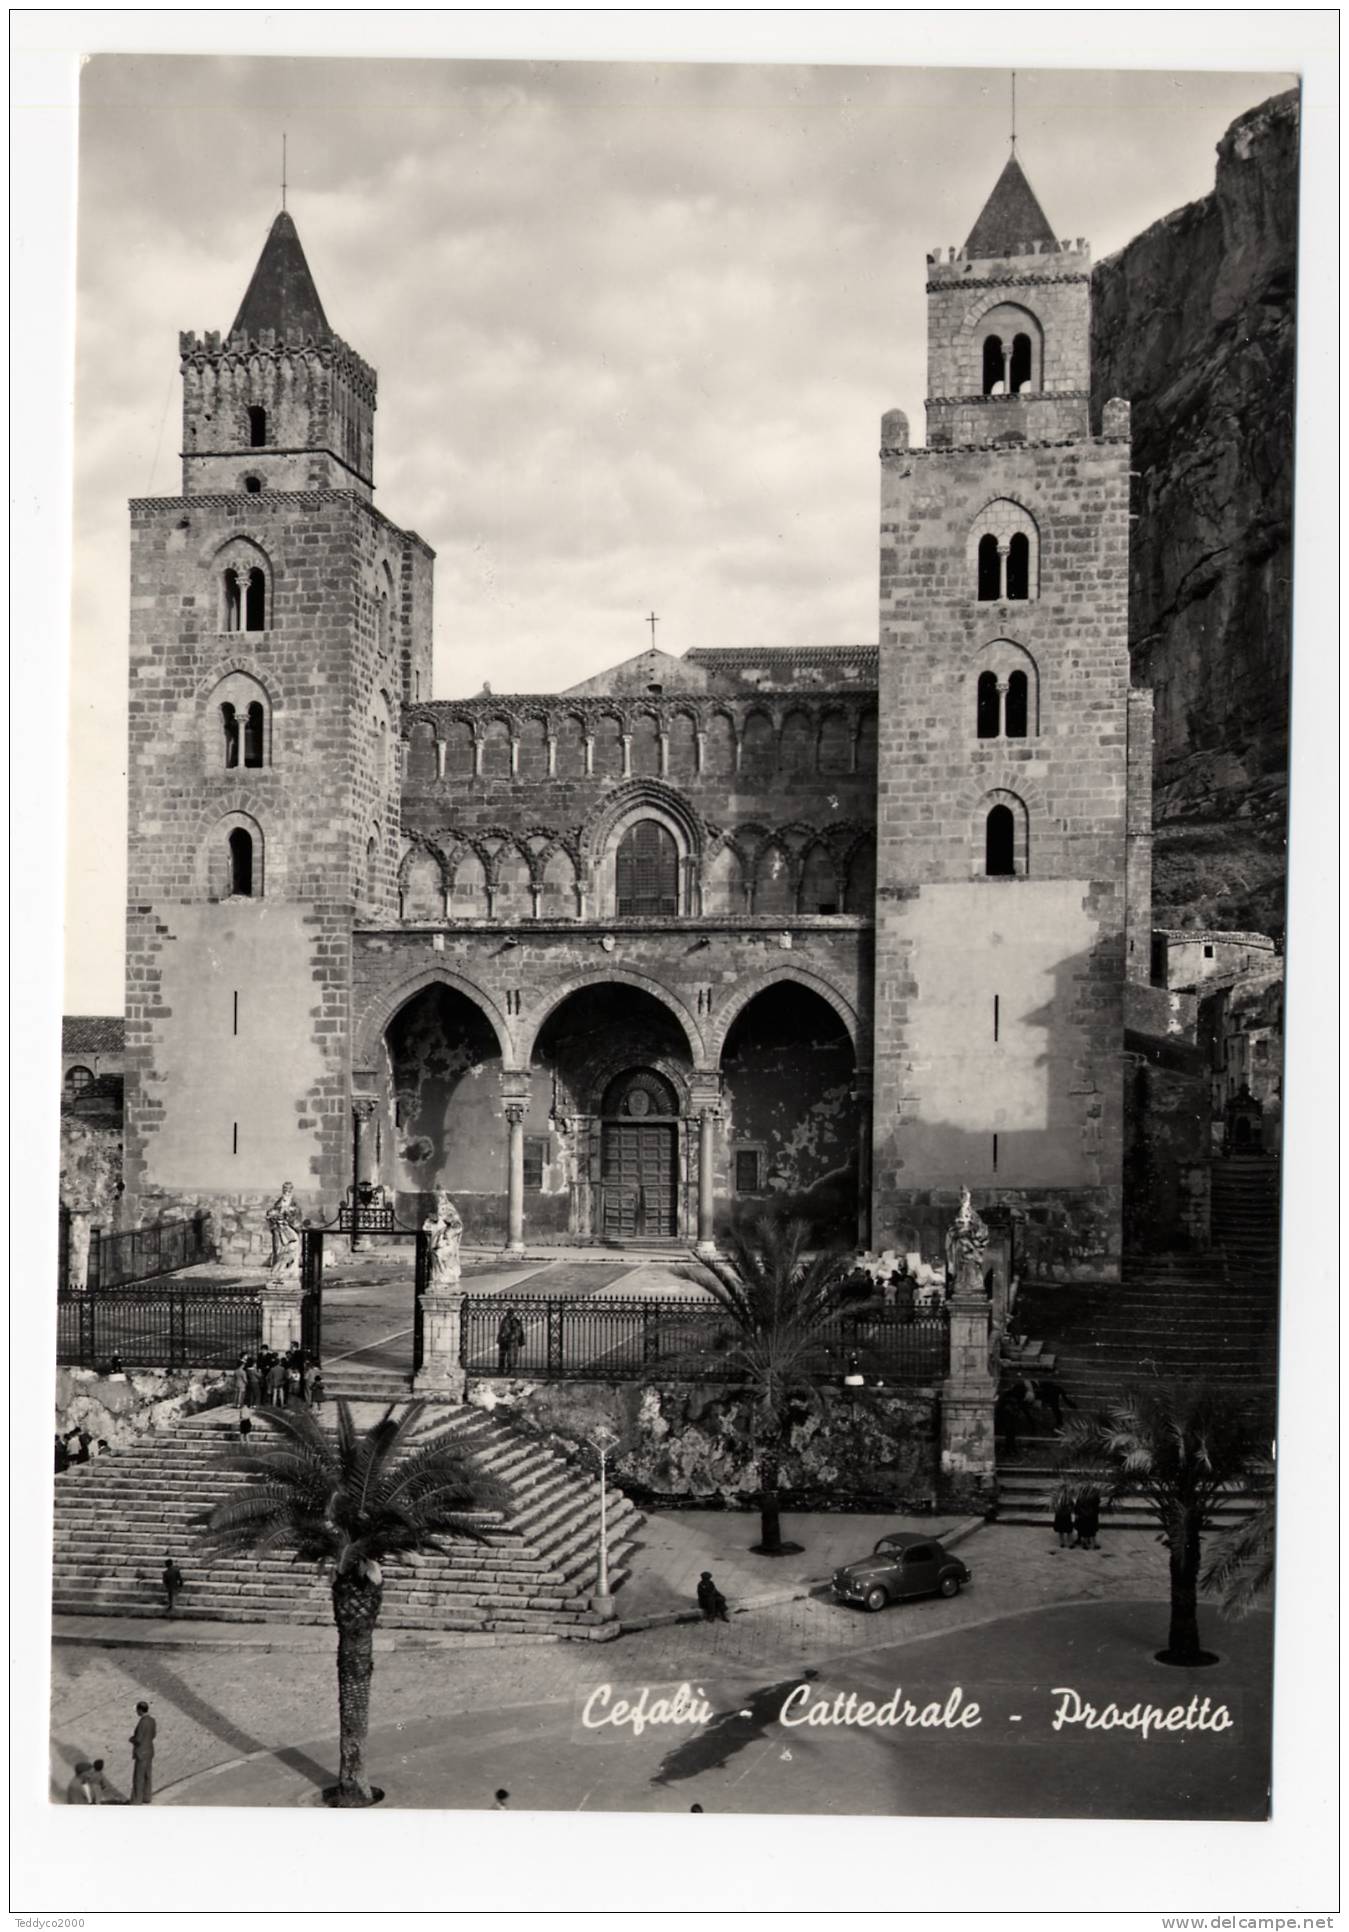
point(1244, 1208)
point(1209, 1317)
point(531, 1576)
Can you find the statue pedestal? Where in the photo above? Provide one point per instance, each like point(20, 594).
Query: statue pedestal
point(441, 1374)
point(281, 1313)
point(968, 1456)
point(79, 1236)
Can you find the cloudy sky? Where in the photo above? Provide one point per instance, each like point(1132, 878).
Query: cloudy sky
point(635, 328)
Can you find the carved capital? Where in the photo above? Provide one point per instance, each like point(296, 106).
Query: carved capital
point(364, 1107)
point(516, 1111)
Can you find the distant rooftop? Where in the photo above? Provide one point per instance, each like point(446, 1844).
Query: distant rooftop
point(93, 1033)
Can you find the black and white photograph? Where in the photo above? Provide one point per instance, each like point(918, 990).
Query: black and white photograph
point(668, 1163)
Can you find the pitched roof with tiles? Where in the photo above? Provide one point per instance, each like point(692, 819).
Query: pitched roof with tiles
point(282, 295)
point(1012, 218)
point(93, 1033)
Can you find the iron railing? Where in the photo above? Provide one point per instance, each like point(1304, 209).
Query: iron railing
point(181, 1325)
point(675, 1339)
point(139, 1254)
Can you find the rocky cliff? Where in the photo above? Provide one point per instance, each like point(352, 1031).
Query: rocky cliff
point(1194, 323)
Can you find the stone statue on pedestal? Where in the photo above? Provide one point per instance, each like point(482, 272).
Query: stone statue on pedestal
point(966, 1243)
point(283, 1219)
point(444, 1230)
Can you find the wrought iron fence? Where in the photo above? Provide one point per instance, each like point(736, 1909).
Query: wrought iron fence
point(139, 1254)
point(182, 1325)
point(676, 1339)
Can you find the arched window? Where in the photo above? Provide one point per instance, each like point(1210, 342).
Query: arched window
point(1002, 552)
point(254, 733)
point(371, 869)
point(647, 871)
point(253, 485)
point(241, 863)
point(988, 705)
point(257, 427)
point(229, 718)
point(255, 602)
point(78, 1079)
point(993, 367)
point(1000, 843)
point(1021, 363)
point(1016, 708)
point(1018, 566)
point(818, 890)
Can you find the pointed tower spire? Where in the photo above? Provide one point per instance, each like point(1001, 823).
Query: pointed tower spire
point(1012, 218)
point(282, 295)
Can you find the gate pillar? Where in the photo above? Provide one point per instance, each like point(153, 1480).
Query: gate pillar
point(440, 1322)
point(281, 1316)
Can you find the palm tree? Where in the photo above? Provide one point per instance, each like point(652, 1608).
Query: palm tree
point(348, 1503)
point(1240, 1567)
point(780, 1297)
point(1179, 1448)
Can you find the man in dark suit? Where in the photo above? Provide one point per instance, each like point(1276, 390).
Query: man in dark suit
point(143, 1756)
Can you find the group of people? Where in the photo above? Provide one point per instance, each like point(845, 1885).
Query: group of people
point(90, 1786)
point(277, 1380)
point(77, 1445)
point(1077, 1518)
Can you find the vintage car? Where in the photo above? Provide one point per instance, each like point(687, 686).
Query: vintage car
point(904, 1564)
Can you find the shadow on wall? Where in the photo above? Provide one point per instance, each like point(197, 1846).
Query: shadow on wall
point(1026, 1054)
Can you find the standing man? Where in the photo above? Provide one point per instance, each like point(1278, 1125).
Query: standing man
point(172, 1580)
point(142, 1756)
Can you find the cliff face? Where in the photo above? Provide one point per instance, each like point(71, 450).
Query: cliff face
point(1193, 322)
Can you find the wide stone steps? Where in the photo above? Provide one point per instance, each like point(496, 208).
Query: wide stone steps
point(1026, 1491)
point(117, 1518)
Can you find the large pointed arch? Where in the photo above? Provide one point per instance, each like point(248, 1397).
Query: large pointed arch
point(748, 990)
point(384, 1005)
point(531, 1025)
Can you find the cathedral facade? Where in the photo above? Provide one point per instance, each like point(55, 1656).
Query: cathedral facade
point(837, 930)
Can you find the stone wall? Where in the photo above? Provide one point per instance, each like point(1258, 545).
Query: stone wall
point(1195, 322)
point(91, 1167)
point(238, 1005)
point(123, 1408)
point(686, 1445)
point(998, 1018)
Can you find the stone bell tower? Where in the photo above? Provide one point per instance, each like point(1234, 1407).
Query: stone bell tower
point(278, 624)
point(1005, 811)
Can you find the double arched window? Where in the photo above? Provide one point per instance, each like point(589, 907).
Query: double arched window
point(1002, 706)
point(1011, 351)
point(240, 711)
point(245, 599)
point(1004, 552)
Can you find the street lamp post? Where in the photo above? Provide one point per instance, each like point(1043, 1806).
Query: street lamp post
point(605, 1440)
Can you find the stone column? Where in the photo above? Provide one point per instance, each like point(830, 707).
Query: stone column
point(627, 754)
point(864, 1104)
point(362, 1113)
point(664, 755)
point(515, 1179)
point(1002, 581)
point(441, 748)
point(707, 1169)
point(79, 1234)
point(441, 1373)
point(700, 751)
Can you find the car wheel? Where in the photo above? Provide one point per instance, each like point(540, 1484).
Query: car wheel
point(950, 1586)
point(877, 1598)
